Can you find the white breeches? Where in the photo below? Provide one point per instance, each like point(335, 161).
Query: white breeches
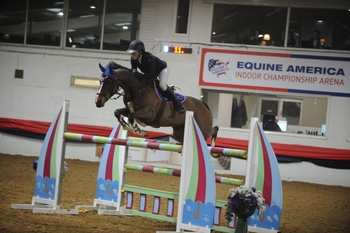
point(163, 78)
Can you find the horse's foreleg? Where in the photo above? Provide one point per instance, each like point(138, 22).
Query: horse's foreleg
point(131, 108)
point(119, 113)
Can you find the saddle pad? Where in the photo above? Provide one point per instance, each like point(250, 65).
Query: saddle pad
point(180, 97)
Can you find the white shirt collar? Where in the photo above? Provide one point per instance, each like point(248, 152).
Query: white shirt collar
point(139, 59)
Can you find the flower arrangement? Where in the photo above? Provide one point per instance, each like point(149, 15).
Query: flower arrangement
point(243, 202)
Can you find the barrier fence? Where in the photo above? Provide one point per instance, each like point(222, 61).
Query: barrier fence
point(197, 172)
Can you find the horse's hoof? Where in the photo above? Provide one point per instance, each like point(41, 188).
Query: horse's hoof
point(138, 131)
point(144, 133)
point(214, 155)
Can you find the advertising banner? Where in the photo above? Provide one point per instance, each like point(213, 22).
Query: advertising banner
point(278, 72)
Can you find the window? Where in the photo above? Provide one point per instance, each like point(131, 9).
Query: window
point(89, 26)
point(265, 25)
point(44, 23)
point(85, 24)
point(285, 109)
point(42, 27)
point(183, 9)
point(299, 113)
point(332, 24)
point(122, 24)
point(248, 24)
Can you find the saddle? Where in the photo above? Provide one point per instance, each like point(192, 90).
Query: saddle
point(160, 93)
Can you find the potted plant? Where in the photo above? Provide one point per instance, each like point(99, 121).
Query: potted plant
point(242, 203)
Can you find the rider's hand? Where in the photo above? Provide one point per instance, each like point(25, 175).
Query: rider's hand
point(136, 73)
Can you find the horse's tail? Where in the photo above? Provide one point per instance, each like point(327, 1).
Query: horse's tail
point(214, 132)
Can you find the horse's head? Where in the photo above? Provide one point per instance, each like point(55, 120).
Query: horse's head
point(108, 86)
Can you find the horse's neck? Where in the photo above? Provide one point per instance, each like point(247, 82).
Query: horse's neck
point(138, 85)
point(131, 84)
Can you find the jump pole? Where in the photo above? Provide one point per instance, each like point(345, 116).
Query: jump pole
point(149, 145)
point(171, 172)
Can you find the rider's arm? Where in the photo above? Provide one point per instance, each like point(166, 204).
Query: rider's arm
point(149, 61)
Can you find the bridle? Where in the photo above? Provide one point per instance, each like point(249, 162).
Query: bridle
point(111, 88)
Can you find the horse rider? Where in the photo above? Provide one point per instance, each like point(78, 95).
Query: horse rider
point(152, 66)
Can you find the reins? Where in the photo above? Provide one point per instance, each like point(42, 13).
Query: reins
point(128, 83)
point(124, 87)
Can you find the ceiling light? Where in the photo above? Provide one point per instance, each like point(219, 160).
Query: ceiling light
point(92, 5)
point(125, 27)
point(54, 9)
point(60, 13)
point(122, 24)
point(68, 30)
point(86, 16)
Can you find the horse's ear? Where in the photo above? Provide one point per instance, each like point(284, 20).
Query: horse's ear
point(111, 70)
point(101, 67)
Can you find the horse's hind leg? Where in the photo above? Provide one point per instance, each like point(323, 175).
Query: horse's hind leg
point(214, 135)
point(136, 129)
point(178, 133)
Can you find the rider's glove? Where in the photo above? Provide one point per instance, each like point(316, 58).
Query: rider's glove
point(136, 73)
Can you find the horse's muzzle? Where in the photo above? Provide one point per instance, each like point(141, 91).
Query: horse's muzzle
point(99, 104)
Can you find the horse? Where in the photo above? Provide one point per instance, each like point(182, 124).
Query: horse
point(144, 106)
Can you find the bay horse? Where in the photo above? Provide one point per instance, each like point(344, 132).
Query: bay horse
point(143, 104)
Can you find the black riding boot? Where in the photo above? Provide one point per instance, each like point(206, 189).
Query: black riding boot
point(171, 96)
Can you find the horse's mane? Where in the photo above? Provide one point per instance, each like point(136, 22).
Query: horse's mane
point(117, 66)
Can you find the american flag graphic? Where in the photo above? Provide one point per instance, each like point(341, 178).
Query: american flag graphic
point(217, 67)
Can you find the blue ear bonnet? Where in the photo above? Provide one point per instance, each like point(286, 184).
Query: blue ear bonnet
point(107, 73)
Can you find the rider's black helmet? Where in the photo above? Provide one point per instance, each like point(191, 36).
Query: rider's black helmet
point(135, 46)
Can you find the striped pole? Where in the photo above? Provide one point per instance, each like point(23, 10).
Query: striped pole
point(150, 145)
point(171, 172)
point(123, 142)
point(151, 140)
